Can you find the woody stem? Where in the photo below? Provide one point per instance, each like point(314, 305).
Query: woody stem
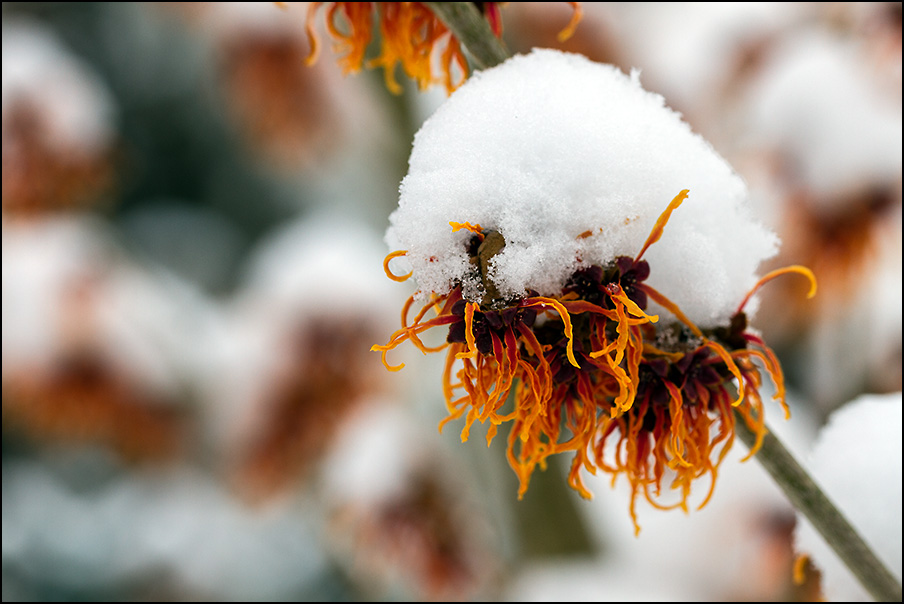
point(810, 500)
point(472, 30)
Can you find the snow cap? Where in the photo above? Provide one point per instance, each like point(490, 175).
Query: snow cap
point(550, 145)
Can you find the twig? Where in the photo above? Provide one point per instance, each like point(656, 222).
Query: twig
point(810, 500)
point(472, 30)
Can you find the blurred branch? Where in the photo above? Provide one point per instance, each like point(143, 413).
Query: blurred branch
point(472, 30)
point(810, 500)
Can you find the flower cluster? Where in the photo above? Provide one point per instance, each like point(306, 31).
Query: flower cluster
point(410, 34)
point(588, 368)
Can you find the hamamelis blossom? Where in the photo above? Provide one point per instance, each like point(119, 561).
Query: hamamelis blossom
point(57, 125)
point(593, 371)
point(410, 34)
point(78, 367)
point(549, 312)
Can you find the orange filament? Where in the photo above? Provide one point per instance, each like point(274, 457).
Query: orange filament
point(770, 361)
point(565, 319)
point(794, 268)
point(663, 219)
point(652, 351)
point(389, 273)
point(311, 31)
point(576, 16)
point(723, 354)
point(399, 26)
point(671, 307)
point(627, 345)
point(800, 569)
point(351, 38)
point(474, 228)
point(469, 332)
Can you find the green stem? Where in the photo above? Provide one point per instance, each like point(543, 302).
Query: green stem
point(472, 30)
point(809, 499)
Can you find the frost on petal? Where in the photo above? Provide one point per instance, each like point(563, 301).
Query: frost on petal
point(549, 146)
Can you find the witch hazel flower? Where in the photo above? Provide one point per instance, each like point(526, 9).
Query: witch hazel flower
point(540, 218)
point(58, 125)
point(411, 35)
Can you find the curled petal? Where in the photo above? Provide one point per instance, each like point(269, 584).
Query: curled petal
point(389, 273)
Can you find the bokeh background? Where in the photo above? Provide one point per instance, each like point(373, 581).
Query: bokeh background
point(192, 278)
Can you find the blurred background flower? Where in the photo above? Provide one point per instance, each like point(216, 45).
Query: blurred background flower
point(191, 265)
point(58, 130)
point(843, 460)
